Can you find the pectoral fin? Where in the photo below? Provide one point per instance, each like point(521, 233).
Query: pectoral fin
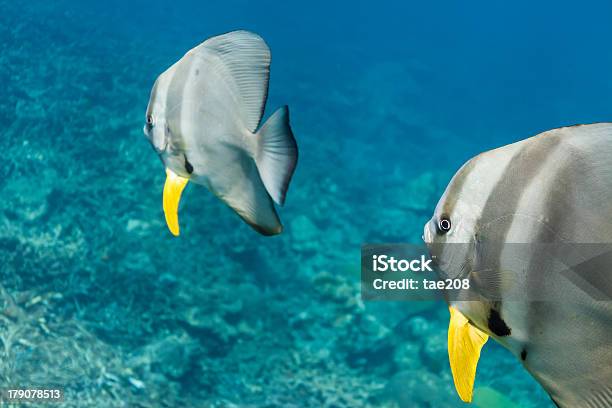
point(464, 344)
point(173, 189)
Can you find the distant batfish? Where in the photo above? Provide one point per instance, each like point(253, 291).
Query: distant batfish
point(203, 120)
point(552, 188)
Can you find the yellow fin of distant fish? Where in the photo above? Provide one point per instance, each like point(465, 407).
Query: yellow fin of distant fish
point(173, 189)
point(464, 344)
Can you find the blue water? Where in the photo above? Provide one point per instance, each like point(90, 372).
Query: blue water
point(387, 99)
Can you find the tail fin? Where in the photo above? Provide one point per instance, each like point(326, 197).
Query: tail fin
point(276, 154)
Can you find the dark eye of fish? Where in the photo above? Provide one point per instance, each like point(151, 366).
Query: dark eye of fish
point(149, 124)
point(444, 225)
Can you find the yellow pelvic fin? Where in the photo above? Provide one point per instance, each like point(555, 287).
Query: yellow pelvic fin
point(173, 189)
point(464, 344)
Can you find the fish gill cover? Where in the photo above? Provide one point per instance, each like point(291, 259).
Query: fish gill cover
point(386, 101)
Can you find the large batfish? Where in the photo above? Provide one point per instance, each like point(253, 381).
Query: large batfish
point(203, 120)
point(554, 188)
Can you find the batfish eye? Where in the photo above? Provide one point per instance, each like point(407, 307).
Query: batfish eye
point(444, 224)
point(150, 120)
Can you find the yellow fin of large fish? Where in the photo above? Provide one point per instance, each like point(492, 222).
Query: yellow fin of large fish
point(173, 188)
point(464, 344)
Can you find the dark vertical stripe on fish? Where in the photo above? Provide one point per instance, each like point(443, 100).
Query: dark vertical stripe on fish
point(456, 186)
point(557, 218)
point(174, 98)
point(502, 203)
point(454, 191)
point(152, 99)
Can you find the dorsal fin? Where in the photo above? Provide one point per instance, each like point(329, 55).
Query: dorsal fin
point(246, 57)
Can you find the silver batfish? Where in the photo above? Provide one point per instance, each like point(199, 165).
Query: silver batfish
point(555, 187)
point(203, 120)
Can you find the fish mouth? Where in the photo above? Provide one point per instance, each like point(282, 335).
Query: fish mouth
point(164, 155)
point(159, 144)
point(427, 236)
point(161, 154)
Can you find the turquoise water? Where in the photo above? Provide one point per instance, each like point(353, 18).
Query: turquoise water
point(387, 100)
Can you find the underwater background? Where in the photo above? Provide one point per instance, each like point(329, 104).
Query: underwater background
point(387, 100)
